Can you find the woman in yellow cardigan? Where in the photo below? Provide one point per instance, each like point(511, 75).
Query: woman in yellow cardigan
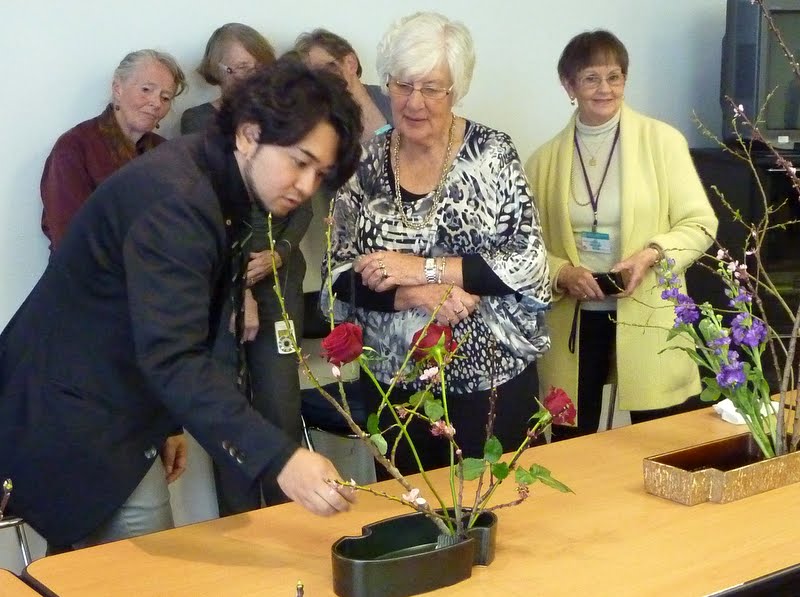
point(615, 190)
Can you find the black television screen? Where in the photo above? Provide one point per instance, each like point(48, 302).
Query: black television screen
point(783, 108)
point(754, 66)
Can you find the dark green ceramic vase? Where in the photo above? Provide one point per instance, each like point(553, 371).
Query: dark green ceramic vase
point(398, 557)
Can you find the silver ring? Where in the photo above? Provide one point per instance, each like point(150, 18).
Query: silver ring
point(460, 312)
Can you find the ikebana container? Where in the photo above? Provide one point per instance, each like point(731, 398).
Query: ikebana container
point(719, 471)
point(399, 556)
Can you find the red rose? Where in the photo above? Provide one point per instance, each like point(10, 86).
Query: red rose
point(560, 407)
point(344, 344)
point(431, 340)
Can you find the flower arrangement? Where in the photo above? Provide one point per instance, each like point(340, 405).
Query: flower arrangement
point(734, 344)
point(731, 353)
point(432, 348)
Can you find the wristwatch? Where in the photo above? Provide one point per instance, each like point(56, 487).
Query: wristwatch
point(430, 270)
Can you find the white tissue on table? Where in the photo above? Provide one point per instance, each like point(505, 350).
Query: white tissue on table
point(728, 412)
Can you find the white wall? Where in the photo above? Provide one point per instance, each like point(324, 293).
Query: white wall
point(58, 57)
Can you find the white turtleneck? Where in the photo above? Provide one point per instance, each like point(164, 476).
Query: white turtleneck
point(595, 146)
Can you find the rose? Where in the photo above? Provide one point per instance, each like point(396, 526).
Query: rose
point(560, 407)
point(344, 344)
point(432, 341)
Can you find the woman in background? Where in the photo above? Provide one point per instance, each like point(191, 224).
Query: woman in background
point(142, 90)
point(437, 201)
point(616, 191)
point(233, 53)
point(321, 48)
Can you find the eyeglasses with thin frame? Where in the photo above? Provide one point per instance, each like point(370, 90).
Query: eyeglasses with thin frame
point(238, 70)
point(332, 66)
point(405, 89)
point(593, 81)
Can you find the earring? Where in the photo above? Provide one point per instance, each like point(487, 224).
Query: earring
point(116, 107)
point(572, 101)
point(158, 126)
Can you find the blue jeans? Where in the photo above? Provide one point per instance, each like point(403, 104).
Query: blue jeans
point(147, 510)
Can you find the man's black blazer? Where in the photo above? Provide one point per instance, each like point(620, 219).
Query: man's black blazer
point(110, 353)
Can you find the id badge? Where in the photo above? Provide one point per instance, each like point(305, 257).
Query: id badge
point(596, 242)
point(284, 336)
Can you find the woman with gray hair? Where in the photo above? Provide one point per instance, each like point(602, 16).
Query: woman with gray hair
point(439, 202)
point(142, 90)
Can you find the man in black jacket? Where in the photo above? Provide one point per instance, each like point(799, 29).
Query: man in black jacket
point(110, 353)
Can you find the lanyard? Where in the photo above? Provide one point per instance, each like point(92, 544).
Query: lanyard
point(594, 198)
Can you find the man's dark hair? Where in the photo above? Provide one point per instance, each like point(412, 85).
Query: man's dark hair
point(287, 100)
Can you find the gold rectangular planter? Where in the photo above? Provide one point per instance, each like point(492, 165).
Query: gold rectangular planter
point(719, 471)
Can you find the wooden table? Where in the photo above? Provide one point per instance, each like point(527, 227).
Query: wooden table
point(11, 586)
point(609, 538)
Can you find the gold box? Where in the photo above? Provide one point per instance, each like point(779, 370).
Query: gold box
point(719, 471)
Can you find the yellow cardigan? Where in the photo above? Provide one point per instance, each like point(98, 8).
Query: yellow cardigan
point(663, 202)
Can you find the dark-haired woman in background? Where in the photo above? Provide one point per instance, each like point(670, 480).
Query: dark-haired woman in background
point(616, 190)
point(233, 53)
point(321, 48)
point(142, 90)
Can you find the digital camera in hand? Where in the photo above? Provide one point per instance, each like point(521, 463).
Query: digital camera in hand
point(610, 282)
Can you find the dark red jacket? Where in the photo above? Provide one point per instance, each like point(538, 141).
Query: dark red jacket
point(81, 159)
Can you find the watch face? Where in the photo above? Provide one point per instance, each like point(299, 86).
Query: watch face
point(430, 270)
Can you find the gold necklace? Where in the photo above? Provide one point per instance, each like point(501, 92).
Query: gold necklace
point(437, 194)
point(593, 154)
point(572, 187)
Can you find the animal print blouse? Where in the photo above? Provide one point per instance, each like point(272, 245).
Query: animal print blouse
point(487, 209)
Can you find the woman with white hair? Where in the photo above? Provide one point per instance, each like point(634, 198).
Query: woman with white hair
point(441, 201)
point(142, 90)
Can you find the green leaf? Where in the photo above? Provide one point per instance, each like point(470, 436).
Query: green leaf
point(523, 477)
point(434, 409)
point(492, 450)
point(500, 470)
point(372, 424)
point(473, 468)
point(537, 471)
point(711, 392)
point(420, 396)
point(542, 474)
point(538, 414)
point(380, 442)
point(555, 484)
point(692, 354)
